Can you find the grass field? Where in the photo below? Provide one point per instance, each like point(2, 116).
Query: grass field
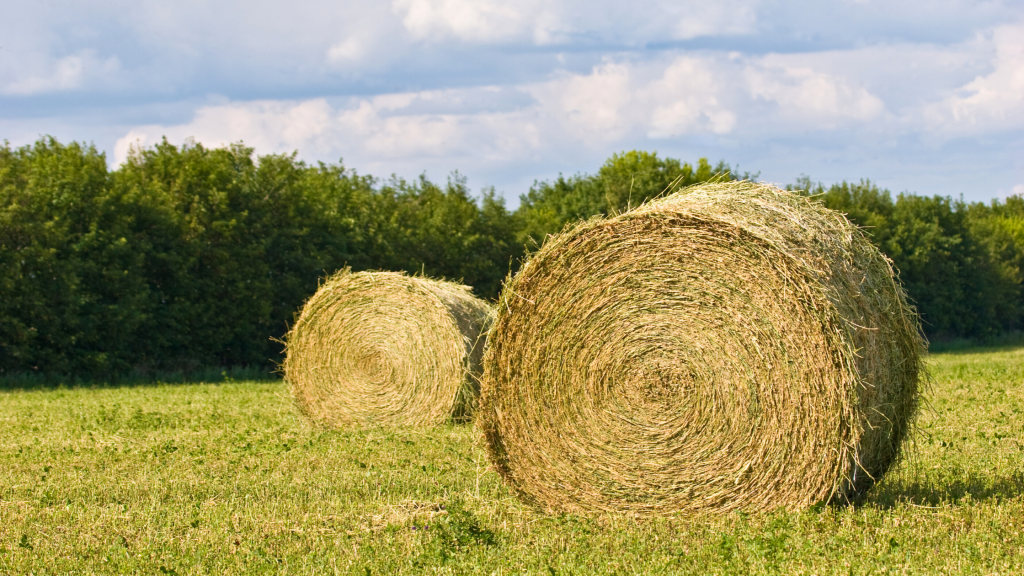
point(222, 479)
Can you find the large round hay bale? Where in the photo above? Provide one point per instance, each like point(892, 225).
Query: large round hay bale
point(730, 346)
point(384, 348)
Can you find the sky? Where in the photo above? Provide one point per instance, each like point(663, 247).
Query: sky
point(919, 96)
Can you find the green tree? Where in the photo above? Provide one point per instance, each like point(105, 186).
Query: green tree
point(244, 243)
point(444, 232)
point(73, 291)
point(625, 180)
point(998, 229)
point(189, 257)
point(960, 263)
point(864, 203)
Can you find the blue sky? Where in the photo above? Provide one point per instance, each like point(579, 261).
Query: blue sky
point(926, 97)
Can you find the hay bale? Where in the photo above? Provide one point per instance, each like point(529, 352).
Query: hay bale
point(387, 349)
point(730, 346)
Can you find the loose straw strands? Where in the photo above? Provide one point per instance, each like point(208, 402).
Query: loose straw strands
point(730, 346)
point(384, 348)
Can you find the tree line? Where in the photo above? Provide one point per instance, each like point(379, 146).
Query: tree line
point(188, 257)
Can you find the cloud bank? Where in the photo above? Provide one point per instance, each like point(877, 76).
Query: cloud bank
point(921, 96)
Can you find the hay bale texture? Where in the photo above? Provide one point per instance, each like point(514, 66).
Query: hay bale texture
point(732, 346)
point(383, 348)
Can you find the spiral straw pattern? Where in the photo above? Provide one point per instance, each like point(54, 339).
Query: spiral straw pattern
point(731, 346)
point(383, 348)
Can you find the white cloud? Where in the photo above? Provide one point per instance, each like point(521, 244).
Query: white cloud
point(678, 97)
point(370, 130)
point(615, 102)
point(348, 50)
point(547, 22)
point(623, 100)
point(808, 95)
point(722, 18)
point(994, 101)
point(595, 108)
point(67, 73)
point(827, 99)
point(125, 145)
point(475, 20)
point(268, 126)
point(686, 100)
point(456, 82)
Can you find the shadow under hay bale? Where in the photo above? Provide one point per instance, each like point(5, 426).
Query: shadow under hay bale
point(731, 346)
point(383, 348)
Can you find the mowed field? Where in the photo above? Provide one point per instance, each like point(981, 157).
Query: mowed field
point(229, 479)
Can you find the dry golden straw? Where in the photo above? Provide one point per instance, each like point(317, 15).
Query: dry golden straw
point(731, 346)
point(383, 348)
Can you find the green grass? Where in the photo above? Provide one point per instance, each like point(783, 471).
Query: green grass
point(205, 478)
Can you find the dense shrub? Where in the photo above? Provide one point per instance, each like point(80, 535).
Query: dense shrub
point(73, 283)
point(187, 257)
point(625, 180)
point(960, 263)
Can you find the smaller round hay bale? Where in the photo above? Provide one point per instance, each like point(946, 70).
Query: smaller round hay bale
point(383, 348)
point(731, 346)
